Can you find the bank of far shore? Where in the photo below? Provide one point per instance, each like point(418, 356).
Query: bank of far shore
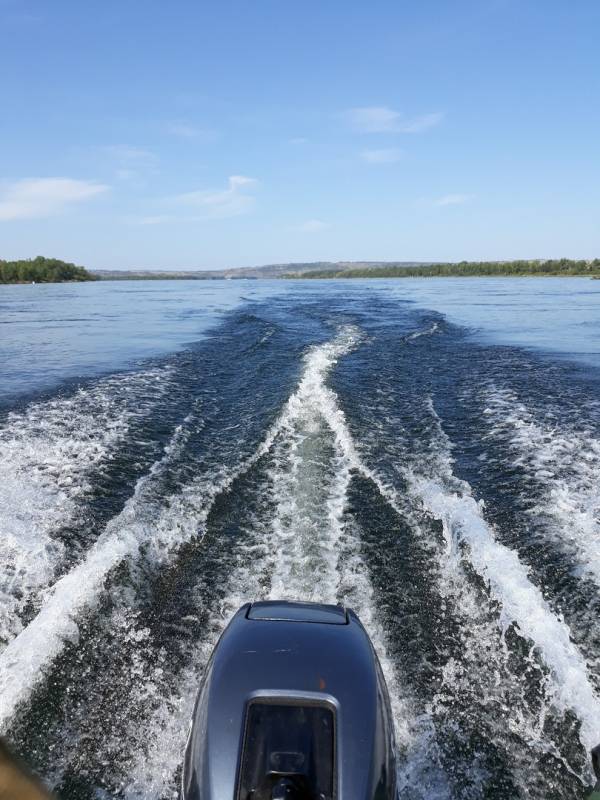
point(550, 268)
point(53, 270)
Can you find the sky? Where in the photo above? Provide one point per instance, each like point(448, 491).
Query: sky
point(207, 134)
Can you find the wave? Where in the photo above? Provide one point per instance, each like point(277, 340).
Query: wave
point(520, 602)
point(510, 666)
point(23, 660)
point(51, 456)
point(433, 328)
point(564, 464)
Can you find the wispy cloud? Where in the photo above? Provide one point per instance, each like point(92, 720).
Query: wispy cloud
point(381, 119)
point(186, 131)
point(33, 198)
point(453, 199)
point(129, 154)
point(422, 123)
point(157, 219)
point(236, 199)
point(129, 162)
point(312, 226)
point(386, 155)
point(298, 140)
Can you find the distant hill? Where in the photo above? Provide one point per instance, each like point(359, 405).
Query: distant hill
point(238, 273)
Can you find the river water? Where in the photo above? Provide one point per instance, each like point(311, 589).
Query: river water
point(424, 451)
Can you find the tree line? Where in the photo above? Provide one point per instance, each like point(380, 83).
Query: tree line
point(560, 266)
point(42, 270)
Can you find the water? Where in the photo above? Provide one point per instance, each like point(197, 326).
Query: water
point(54, 332)
point(395, 446)
point(559, 316)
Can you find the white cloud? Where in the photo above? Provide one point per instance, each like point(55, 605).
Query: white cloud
point(158, 219)
point(312, 226)
point(381, 119)
point(33, 198)
point(186, 131)
point(373, 119)
point(422, 123)
point(230, 202)
point(129, 162)
point(126, 154)
point(453, 199)
point(183, 129)
point(298, 140)
point(387, 155)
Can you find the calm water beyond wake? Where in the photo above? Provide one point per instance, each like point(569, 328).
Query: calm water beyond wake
point(424, 451)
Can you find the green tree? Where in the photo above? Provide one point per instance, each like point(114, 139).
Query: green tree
point(42, 270)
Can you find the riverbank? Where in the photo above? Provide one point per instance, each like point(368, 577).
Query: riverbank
point(550, 268)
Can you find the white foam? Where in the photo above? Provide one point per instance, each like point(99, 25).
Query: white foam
point(520, 601)
point(23, 661)
point(50, 455)
point(433, 328)
point(310, 480)
point(484, 669)
point(565, 464)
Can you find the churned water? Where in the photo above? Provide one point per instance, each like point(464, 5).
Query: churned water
point(427, 452)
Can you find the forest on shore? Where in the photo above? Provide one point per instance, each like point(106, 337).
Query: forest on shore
point(552, 267)
point(42, 270)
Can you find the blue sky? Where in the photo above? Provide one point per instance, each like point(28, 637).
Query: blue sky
point(138, 133)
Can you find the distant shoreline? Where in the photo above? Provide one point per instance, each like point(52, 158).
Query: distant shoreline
point(455, 275)
point(372, 269)
point(302, 277)
point(49, 270)
point(468, 269)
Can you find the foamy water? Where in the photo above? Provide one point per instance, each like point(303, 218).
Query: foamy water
point(50, 457)
point(565, 464)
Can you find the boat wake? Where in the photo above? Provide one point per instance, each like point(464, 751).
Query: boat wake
point(564, 464)
point(333, 481)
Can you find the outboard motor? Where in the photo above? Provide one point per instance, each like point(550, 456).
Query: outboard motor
point(293, 705)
